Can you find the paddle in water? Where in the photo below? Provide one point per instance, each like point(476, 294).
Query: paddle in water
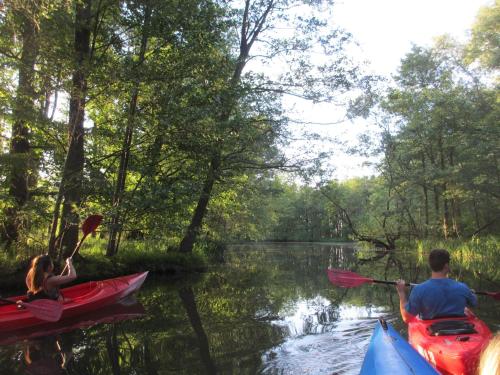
point(349, 279)
point(89, 225)
point(44, 309)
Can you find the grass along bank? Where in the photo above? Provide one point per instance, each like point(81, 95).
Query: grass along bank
point(479, 255)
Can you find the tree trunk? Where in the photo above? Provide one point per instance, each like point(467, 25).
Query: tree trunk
point(446, 216)
point(23, 114)
point(114, 227)
point(53, 228)
point(391, 238)
point(456, 216)
point(72, 176)
point(437, 214)
point(189, 239)
point(476, 214)
point(426, 196)
point(446, 209)
point(455, 204)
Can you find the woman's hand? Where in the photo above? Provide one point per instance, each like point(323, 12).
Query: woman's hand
point(69, 261)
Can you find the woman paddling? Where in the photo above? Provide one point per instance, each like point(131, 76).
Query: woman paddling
point(42, 283)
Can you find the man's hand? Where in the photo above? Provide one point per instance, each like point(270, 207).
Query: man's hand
point(401, 287)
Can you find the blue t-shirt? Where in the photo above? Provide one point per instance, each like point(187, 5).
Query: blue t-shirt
point(439, 298)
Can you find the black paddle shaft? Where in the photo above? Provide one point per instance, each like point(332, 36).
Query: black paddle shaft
point(391, 282)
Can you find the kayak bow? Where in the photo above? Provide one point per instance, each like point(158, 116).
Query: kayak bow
point(390, 354)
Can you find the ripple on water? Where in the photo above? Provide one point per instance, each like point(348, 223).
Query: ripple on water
point(337, 348)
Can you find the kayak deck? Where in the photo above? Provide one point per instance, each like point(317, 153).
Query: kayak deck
point(452, 354)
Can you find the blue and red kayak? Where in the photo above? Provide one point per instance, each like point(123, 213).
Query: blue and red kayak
point(390, 354)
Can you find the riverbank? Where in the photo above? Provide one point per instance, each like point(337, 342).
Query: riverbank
point(159, 258)
point(135, 256)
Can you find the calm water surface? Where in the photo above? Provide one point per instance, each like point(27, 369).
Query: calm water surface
point(269, 309)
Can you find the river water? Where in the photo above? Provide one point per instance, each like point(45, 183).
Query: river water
point(268, 309)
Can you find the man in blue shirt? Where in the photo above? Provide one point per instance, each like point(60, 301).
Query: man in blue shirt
point(437, 297)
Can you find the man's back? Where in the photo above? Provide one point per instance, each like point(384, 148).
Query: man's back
point(440, 297)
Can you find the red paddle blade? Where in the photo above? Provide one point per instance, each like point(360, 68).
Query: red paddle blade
point(346, 279)
point(495, 295)
point(45, 309)
point(91, 223)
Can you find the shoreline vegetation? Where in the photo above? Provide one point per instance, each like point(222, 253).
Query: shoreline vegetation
point(92, 263)
point(150, 115)
point(479, 256)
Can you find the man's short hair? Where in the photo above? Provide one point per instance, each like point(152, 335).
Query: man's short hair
point(438, 258)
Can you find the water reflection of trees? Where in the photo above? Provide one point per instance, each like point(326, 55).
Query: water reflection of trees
point(227, 320)
point(187, 297)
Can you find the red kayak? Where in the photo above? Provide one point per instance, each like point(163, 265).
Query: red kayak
point(452, 345)
point(79, 299)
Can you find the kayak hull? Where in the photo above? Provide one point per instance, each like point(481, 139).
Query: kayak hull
point(389, 354)
point(79, 299)
point(451, 354)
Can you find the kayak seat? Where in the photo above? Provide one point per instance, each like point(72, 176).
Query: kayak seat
point(451, 327)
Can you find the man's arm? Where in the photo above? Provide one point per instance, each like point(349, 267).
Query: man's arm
point(471, 298)
point(403, 300)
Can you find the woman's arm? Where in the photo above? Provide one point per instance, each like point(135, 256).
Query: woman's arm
point(63, 279)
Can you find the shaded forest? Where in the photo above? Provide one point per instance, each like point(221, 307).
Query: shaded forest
point(152, 113)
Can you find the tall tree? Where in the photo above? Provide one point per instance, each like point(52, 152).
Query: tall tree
point(70, 190)
point(24, 116)
point(112, 247)
point(257, 22)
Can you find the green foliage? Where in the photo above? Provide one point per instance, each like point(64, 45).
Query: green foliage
point(137, 255)
point(478, 256)
point(178, 80)
point(8, 264)
point(432, 161)
point(484, 44)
